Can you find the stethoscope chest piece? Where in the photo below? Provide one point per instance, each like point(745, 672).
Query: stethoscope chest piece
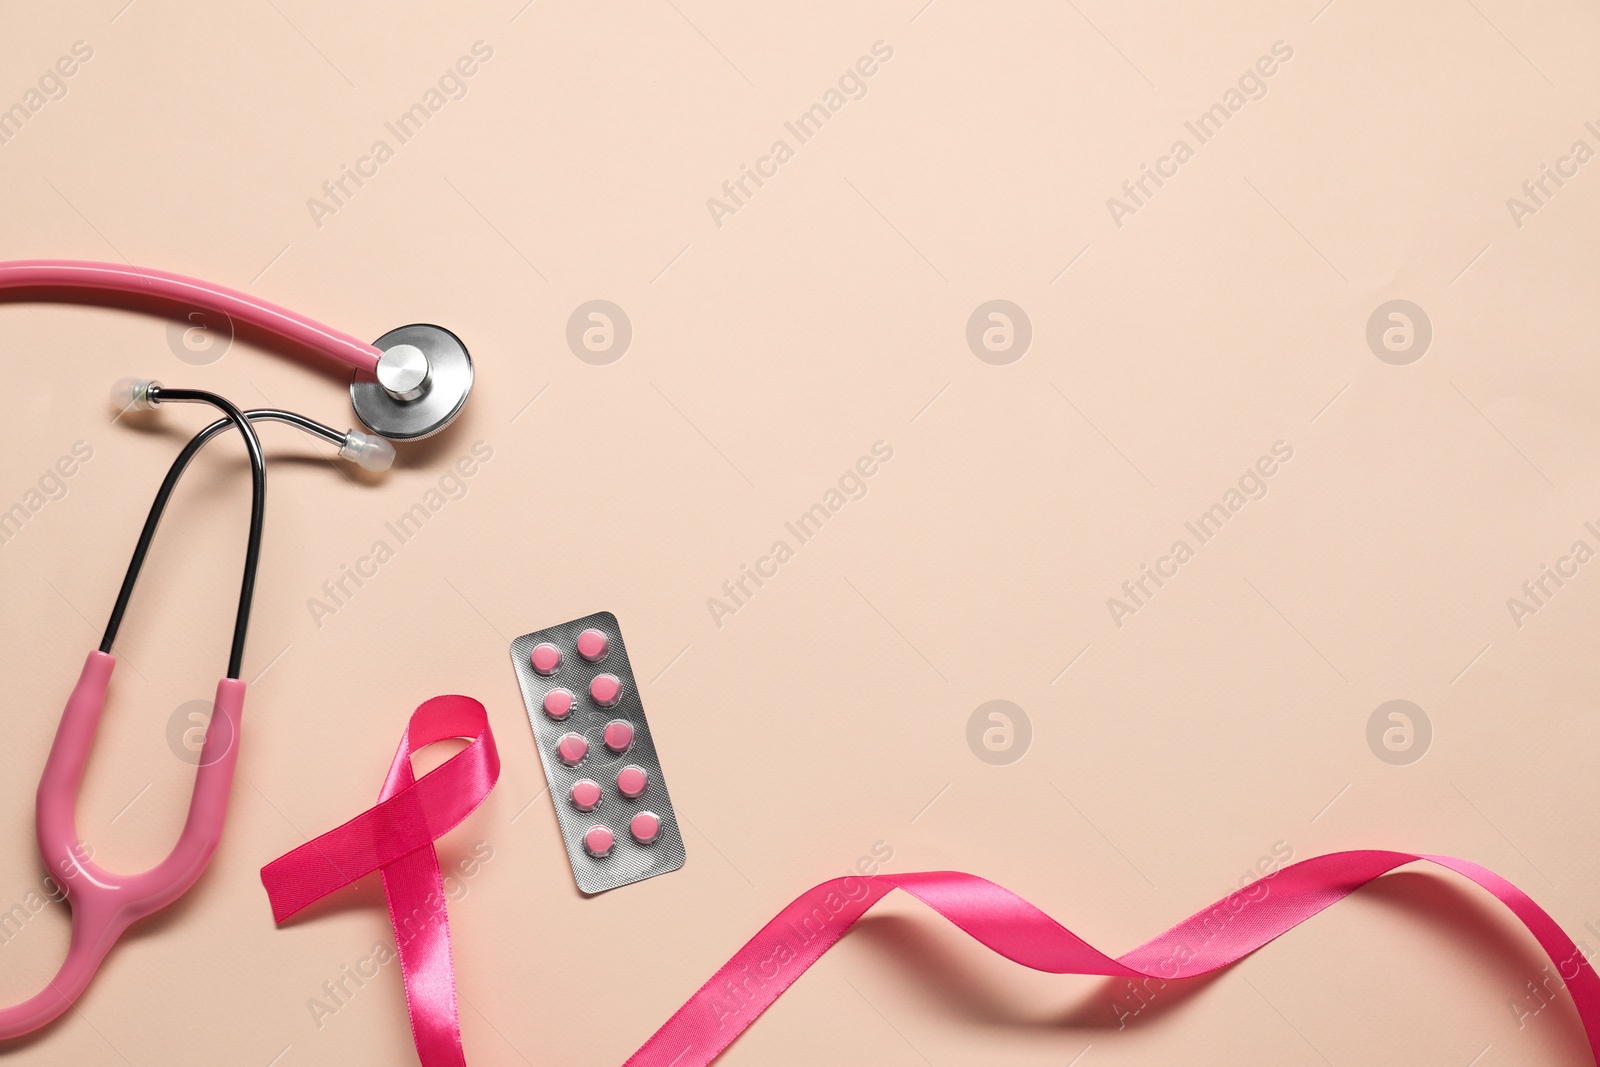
point(421, 381)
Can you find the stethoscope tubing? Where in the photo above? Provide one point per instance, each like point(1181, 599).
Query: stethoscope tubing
point(158, 507)
point(258, 505)
point(164, 287)
point(104, 903)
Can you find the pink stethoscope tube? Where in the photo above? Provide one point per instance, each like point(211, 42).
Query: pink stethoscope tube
point(104, 904)
point(176, 289)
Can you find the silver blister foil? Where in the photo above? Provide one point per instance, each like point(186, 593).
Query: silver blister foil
point(629, 860)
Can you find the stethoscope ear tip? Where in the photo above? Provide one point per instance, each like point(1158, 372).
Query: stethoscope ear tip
point(133, 394)
point(368, 451)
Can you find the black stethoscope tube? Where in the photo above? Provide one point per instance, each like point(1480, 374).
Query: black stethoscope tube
point(232, 416)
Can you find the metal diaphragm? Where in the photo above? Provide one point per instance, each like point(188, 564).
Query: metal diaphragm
point(422, 381)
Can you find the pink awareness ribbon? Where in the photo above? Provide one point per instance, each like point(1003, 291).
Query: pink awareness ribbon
point(396, 836)
point(1207, 941)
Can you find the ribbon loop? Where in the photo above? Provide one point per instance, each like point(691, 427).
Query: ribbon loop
point(396, 836)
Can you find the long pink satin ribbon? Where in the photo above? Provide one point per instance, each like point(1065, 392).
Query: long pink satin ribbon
point(1207, 941)
point(397, 836)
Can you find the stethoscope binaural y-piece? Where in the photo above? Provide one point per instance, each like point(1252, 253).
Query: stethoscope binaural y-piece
point(408, 384)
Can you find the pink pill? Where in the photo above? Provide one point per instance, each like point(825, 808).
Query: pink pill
point(558, 703)
point(606, 690)
point(592, 645)
point(585, 794)
point(572, 748)
point(619, 735)
point(546, 658)
point(598, 840)
point(631, 782)
point(645, 827)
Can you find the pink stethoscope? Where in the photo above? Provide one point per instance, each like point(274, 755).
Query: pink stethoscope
point(408, 384)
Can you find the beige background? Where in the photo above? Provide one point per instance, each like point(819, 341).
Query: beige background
point(1226, 719)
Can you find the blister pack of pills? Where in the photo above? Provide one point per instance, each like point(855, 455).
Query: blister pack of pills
point(605, 777)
